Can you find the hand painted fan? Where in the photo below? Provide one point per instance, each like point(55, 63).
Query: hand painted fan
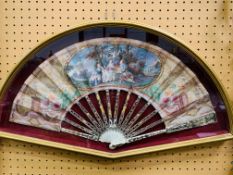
point(113, 90)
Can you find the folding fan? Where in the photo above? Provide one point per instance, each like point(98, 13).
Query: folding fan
point(113, 90)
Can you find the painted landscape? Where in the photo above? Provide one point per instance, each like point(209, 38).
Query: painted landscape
point(108, 64)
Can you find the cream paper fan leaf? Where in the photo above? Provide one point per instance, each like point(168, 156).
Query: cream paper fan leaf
point(113, 90)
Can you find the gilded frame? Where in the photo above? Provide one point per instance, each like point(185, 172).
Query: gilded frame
point(152, 30)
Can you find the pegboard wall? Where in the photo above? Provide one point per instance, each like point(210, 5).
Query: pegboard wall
point(206, 26)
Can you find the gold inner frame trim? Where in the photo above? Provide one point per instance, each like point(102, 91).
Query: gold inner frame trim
point(120, 154)
point(152, 30)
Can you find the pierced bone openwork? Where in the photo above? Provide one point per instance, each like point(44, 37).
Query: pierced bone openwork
point(138, 119)
point(104, 123)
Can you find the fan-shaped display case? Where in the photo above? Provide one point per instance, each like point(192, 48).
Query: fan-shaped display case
point(114, 90)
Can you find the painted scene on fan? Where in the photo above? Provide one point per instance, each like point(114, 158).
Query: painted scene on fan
point(113, 64)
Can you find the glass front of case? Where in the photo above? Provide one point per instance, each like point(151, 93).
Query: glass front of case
point(113, 89)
